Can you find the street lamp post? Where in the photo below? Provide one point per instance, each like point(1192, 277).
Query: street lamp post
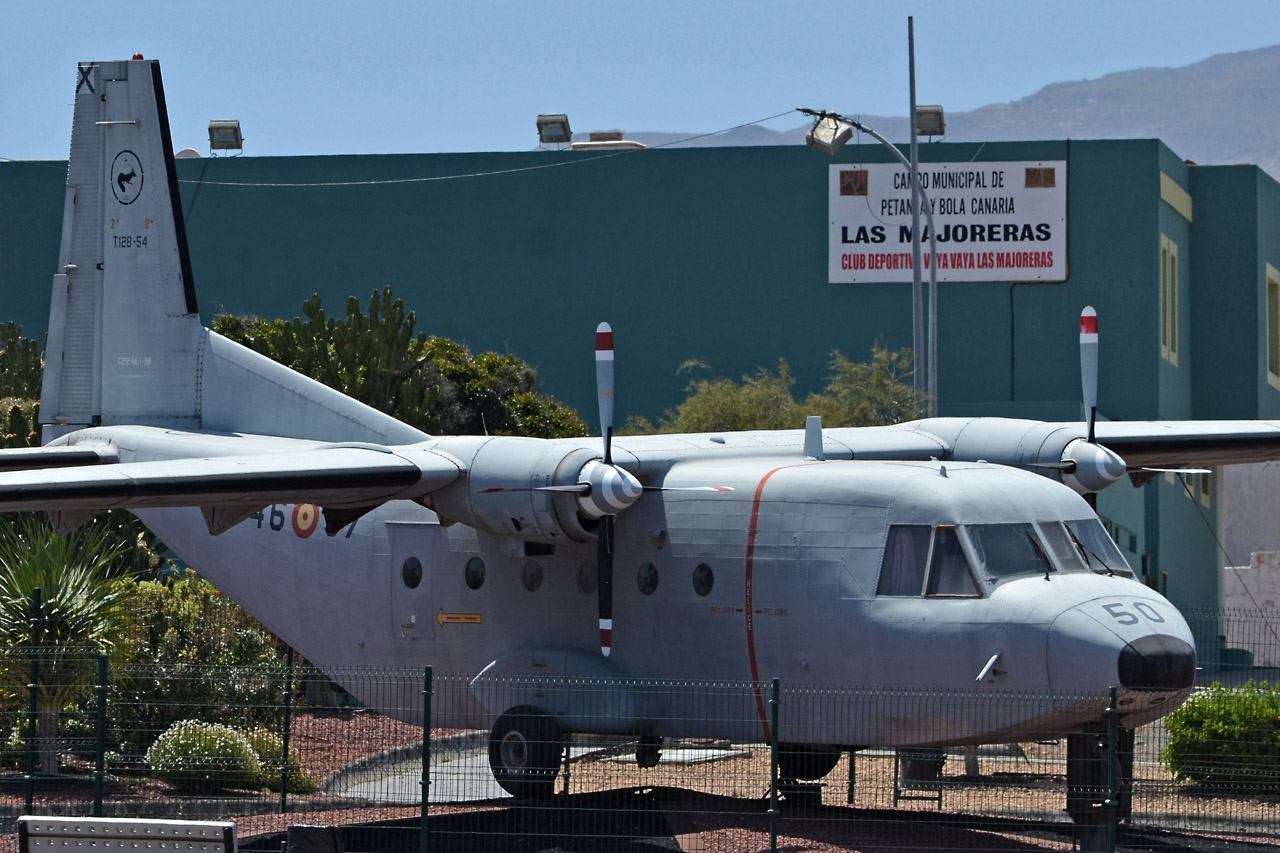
point(829, 133)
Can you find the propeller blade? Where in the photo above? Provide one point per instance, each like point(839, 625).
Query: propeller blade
point(604, 583)
point(604, 386)
point(688, 488)
point(1089, 368)
point(572, 488)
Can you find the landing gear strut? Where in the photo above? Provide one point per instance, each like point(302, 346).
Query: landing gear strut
point(648, 751)
point(1087, 784)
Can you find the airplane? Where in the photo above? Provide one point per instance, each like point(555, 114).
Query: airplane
point(569, 579)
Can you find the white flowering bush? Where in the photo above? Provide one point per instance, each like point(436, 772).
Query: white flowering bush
point(205, 757)
point(269, 747)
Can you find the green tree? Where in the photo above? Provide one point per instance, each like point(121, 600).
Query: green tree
point(431, 383)
point(192, 652)
point(82, 615)
point(20, 374)
point(871, 393)
point(21, 366)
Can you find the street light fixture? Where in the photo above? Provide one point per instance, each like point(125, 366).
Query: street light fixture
point(930, 121)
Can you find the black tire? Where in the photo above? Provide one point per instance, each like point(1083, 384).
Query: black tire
point(796, 761)
point(525, 746)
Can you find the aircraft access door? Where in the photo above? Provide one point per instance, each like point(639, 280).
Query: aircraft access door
point(414, 553)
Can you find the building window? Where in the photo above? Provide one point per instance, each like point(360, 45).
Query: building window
point(1206, 489)
point(1273, 326)
point(1168, 299)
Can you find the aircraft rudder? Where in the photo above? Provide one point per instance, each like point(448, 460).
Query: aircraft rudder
point(123, 308)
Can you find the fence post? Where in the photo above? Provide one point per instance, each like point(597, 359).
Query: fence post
point(32, 689)
point(100, 746)
point(1113, 758)
point(426, 758)
point(773, 767)
point(284, 741)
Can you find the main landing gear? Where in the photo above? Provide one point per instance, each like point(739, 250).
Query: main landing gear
point(1089, 780)
point(525, 746)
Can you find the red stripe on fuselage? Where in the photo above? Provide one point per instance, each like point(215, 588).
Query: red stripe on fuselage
point(751, 625)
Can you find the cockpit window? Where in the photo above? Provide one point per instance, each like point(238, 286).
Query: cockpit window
point(1008, 549)
point(949, 572)
point(906, 555)
point(913, 551)
point(1065, 552)
point(1096, 548)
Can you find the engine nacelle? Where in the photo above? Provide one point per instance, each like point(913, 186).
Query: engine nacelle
point(1053, 450)
point(537, 490)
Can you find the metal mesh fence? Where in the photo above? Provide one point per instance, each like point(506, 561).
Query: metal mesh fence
point(718, 765)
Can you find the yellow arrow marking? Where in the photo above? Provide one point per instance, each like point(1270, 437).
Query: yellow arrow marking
point(458, 618)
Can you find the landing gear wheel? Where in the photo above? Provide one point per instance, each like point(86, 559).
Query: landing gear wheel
point(524, 752)
point(796, 761)
point(648, 751)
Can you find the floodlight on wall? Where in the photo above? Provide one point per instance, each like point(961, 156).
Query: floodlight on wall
point(929, 120)
point(828, 134)
point(553, 129)
point(224, 135)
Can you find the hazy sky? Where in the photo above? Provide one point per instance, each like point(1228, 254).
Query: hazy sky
point(326, 77)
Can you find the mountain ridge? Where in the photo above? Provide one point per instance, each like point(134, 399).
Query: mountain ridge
point(1219, 110)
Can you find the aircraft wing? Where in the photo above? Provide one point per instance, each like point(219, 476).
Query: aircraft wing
point(342, 477)
point(1172, 444)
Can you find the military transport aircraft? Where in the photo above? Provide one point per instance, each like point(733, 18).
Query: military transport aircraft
point(944, 553)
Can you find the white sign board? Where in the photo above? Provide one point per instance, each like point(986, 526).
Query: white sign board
point(995, 221)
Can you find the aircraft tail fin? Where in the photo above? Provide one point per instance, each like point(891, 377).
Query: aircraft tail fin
point(124, 327)
point(125, 343)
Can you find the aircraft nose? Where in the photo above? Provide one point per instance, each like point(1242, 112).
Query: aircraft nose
point(1157, 661)
point(1131, 641)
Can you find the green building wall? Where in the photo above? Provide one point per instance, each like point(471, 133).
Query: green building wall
point(720, 254)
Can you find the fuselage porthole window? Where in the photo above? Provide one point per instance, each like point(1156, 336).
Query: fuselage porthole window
point(647, 578)
point(411, 572)
point(474, 573)
point(703, 579)
point(531, 576)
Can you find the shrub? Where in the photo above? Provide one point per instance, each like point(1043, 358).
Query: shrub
point(1227, 737)
point(194, 652)
point(204, 757)
point(268, 746)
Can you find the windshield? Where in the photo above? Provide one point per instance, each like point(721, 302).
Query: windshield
point(1097, 549)
point(1008, 549)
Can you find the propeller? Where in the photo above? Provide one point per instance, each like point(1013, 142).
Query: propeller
point(604, 543)
point(1092, 466)
point(604, 489)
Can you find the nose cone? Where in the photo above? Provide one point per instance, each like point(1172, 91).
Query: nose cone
point(1131, 638)
point(1157, 662)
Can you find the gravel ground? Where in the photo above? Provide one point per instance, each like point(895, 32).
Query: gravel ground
point(719, 806)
